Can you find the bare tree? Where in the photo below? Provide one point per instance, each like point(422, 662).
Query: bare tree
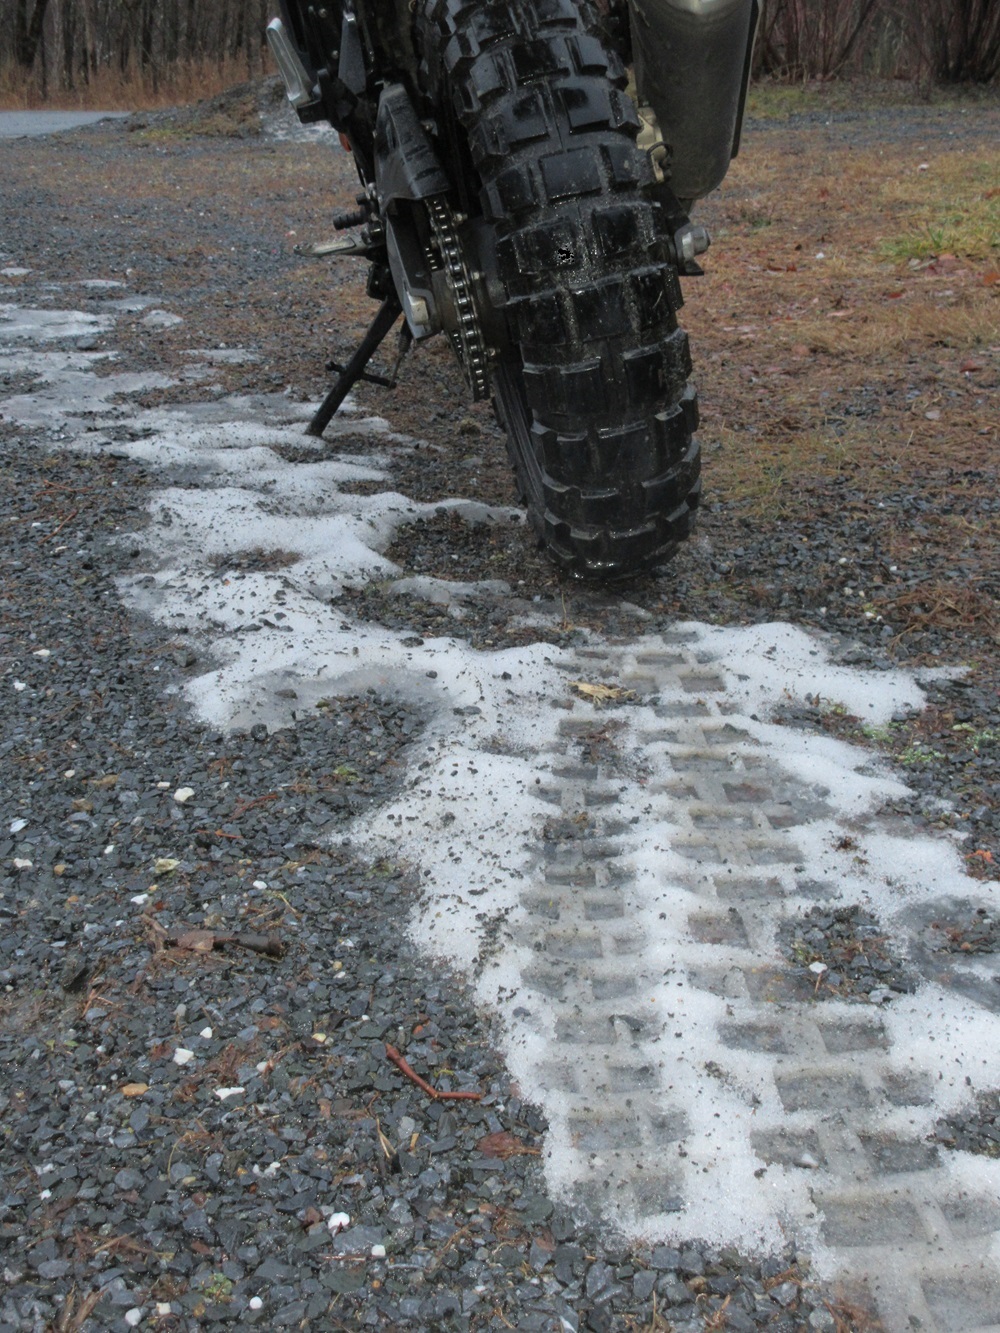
point(811, 38)
point(28, 29)
point(958, 41)
point(68, 45)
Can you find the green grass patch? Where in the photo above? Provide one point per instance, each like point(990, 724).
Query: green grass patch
point(954, 207)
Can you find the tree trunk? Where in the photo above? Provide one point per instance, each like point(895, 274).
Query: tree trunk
point(28, 31)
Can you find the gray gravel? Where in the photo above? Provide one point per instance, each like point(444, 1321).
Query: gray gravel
point(128, 1186)
point(119, 1205)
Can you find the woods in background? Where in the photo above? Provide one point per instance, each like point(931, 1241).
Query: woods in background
point(153, 46)
point(154, 49)
point(933, 41)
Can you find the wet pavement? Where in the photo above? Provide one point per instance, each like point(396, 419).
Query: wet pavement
point(30, 124)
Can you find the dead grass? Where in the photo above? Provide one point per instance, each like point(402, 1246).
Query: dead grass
point(760, 472)
point(895, 324)
point(833, 359)
point(73, 1315)
point(945, 605)
point(777, 99)
point(133, 90)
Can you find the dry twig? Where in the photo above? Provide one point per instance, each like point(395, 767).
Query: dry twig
point(422, 1083)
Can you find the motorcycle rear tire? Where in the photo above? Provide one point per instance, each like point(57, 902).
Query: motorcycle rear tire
point(592, 391)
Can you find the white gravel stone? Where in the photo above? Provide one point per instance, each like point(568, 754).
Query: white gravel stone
point(183, 794)
point(182, 1056)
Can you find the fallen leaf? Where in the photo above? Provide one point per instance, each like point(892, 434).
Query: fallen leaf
point(601, 693)
point(133, 1089)
point(197, 941)
point(968, 367)
point(164, 864)
point(109, 780)
point(504, 1145)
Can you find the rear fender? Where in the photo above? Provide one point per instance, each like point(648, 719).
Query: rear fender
point(692, 65)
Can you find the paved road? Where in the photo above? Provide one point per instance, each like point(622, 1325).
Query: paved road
point(27, 124)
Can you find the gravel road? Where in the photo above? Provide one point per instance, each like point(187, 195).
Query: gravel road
point(303, 765)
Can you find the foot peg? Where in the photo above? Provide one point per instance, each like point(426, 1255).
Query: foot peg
point(342, 247)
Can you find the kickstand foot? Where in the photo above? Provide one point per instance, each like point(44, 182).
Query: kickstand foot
point(388, 313)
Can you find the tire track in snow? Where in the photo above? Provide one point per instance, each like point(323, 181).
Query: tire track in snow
point(621, 914)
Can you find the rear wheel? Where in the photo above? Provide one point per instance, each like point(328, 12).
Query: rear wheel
point(591, 386)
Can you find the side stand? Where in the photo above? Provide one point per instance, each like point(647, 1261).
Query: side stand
point(388, 313)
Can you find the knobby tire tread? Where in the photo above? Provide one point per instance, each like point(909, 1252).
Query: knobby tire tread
point(599, 416)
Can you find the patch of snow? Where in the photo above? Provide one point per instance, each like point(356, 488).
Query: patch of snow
point(473, 805)
point(161, 319)
point(17, 322)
